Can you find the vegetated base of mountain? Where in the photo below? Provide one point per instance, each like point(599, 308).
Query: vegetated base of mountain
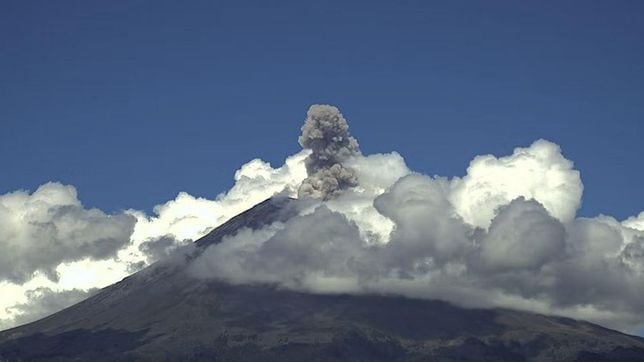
point(163, 314)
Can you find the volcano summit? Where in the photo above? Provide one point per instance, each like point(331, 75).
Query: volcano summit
point(356, 257)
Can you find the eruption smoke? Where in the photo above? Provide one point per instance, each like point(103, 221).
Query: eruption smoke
point(326, 133)
point(505, 234)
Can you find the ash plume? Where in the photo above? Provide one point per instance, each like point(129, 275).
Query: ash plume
point(505, 234)
point(326, 133)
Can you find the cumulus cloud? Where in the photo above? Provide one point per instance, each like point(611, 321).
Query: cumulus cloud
point(326, 133)
point(538, 172)
point(504, 235)
point(285, 254)
point(53, 246)
point(50, 226)
point(183, 220)
point(186, 218)
point(523, 236)
point(635, 222)
point(428, 231)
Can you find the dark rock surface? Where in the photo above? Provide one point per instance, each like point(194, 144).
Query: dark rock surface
point(163, 314)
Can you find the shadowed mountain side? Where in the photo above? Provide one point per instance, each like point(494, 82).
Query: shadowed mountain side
point(161, 313)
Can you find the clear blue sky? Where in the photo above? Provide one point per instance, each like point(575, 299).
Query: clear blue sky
point(134, 101)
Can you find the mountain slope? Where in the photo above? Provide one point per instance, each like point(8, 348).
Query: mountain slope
point(161, 313)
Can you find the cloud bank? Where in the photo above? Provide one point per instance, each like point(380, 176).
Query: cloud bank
point(504, 235)
point(50, 226)
point(55, 249)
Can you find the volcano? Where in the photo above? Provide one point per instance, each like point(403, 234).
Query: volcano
point(162, 313)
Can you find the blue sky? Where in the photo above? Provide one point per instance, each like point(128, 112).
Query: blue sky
point(132, 102)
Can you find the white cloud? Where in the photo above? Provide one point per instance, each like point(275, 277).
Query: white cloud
point(428, 231)
point(187, 218)
point(51, 244)
point(504, 235)
point(377, 173)
point(635, 222)
point(538, 172)
point(522, 236)
point(51, 226)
